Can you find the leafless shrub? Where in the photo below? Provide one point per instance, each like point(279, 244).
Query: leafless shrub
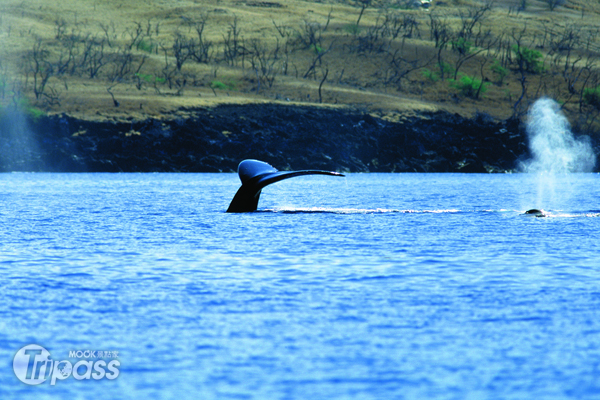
point(124, 64)
point(321, 84)
point(202, 50)
point(329, 18)
point(40, 67)
point(363, 6)
point(317, 59)
point(180, 82)
point(93, 57)
point(372, 40)
point(121, 64)
point(442, 34)
point(387, 28)
point(265, 62)
point(552, 4)
point(136, 35)
point(66, 58)
point(182, 49)
point(233, 43)
point(60, 27)
point(169, 75)
point(284, 30)
point(502, 50)
point(110, 32)
point(152, 29)
point(401, 66)
point(400, 25)
point(518, 42)
point(471, 19)
point(310, 35)
point(199, 49)
point(440, 31)
point(465, 51)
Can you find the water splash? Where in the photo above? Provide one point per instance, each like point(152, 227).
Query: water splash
point(20, 150)
point(553, 147)
point(555, 154)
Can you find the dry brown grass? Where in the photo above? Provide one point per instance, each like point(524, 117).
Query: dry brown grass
point(356, 77)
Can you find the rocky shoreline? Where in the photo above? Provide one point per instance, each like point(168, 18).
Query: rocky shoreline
point(288, 137)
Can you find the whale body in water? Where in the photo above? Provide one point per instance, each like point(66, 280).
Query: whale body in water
point(534, 212)
point(255, 175)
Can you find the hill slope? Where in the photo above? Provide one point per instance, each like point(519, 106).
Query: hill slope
point(136, 60)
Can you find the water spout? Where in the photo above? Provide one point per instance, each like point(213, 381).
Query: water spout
point(553, 148)
point(20, 150)
point(555, 154)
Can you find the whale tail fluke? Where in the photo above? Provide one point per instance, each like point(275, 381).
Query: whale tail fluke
point(255, 175)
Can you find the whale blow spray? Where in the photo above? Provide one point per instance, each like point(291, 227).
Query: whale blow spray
point(553, 148)
point(555, 152)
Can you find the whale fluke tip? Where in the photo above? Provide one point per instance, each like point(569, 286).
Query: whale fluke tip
point(255, 175)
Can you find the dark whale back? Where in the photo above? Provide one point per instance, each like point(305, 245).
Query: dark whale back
point(534, 212)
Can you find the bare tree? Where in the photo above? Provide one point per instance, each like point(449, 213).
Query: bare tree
point(264, 62)
point(182, 50)
point(401, 67)
point(202, 50)
point(317, 59)
point(232, 42)
point(40, 68)
point(310, 36)
point(136, 34)
point(465, 51)
point(60, 27)
point(552, 4)
point(321, 84)
point(518, 37)
point(472, 18)
point(442, 33)
point(363, 6)
point(95, 57)
point(109, 32)
point(109, 90)
point(283, 30)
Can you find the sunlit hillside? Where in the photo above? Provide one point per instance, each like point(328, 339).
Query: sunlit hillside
point(131, 60)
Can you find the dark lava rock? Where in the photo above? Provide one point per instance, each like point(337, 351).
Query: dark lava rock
point(288, 137)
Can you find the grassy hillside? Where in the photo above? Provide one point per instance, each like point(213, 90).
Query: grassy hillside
point(121, 60)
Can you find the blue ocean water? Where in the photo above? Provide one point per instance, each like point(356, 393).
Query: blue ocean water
point(372, 286)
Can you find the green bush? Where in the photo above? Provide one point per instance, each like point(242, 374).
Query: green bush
point(462, 46)
point(499, 71)
point(431, 75)
point(150, 78)
point(434, 76)
point(591, 96)
point(145, 46)
point(34, 113)
point(470, 86)
point(316, 48)
point(448, 69)
point(528, 59)
point(223, 86)
point(352, 29)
